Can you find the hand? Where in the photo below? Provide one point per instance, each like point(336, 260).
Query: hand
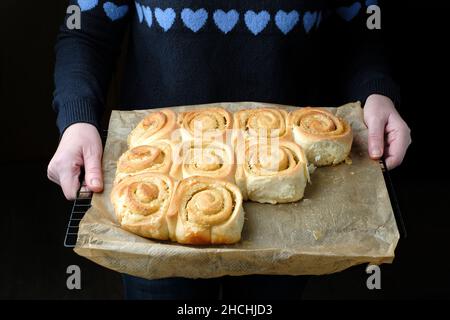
point(389, 135)
point(80, 145)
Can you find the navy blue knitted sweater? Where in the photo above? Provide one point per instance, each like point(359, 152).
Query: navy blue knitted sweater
point(179, 52)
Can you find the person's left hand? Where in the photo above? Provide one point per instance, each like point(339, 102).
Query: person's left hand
point(389, 135)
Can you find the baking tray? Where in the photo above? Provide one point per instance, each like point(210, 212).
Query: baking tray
point(83, 202)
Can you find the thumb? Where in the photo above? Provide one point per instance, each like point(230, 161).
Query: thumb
point(93, 169)
point(376, 126)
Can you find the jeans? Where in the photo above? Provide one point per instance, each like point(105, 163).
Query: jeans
point(258, 287)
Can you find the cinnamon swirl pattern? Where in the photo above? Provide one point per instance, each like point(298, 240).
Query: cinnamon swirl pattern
point(267, 163)
point(271, 173)
point(326, 139)
point(206, 211)
point(205, 124)
point(155, 157)
point(156, 125)
point(265, 123)
point(208, 159)
point(141, 203)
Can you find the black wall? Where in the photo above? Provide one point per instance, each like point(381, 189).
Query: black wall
point(34, 214)
point(28, 30)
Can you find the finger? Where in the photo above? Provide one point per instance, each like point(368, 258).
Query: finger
point(93, 169)
point(70, 184)
point(51, 175)
point(396, 150)
point(376, 127)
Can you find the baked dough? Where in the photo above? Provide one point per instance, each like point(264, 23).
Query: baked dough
point(208, 159)
point(141, 203)
point(260, 123)
point(326, 139)
point(271, 173)
point(206, 211)
point(205, 124)
point(205, 205)
point(157, 156)
point(155, 126)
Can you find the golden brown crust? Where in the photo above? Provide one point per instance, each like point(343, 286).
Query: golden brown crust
point(326, 139)
point(318, 123)
point(205, 206)
point(141, 203)
point(157, 156)
point(155, 126)
point(260, 123)
point(209, 159)
point(205, 124)
point(206, 211)
point(271, 173)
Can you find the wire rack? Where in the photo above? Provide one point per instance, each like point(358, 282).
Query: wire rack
point(80, 206)
point(83, 203)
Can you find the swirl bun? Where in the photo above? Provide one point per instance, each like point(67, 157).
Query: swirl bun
point(206, 211)
point(326, 139)
point(156, 125)
point(157, 156)
point(141, 203)
point(208, 159)
point(205, 124)
point(264, 123)
point(271, 173)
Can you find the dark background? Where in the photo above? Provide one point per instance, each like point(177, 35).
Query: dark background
point(34, 212)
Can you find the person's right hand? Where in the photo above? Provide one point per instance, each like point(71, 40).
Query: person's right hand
point(80, 145)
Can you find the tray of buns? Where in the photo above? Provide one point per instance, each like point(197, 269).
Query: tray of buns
point(238, 188)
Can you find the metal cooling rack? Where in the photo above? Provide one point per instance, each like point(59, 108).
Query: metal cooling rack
point(80, 206)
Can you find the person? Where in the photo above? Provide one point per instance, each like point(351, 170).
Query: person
point(289, 52)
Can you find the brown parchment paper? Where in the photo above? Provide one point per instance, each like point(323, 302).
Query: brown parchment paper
point(345, 219)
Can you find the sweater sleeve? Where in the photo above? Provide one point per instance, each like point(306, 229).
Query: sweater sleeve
point(85, 59)
point(364, 67)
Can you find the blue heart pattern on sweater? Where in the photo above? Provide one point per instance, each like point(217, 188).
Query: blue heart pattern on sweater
point(165, 18)
point(147, 12)
point(115, 12)
point(256, 22)
point(194, 20)
point(225, 21)
point(139, 11)
point(348, 13)
point(319, 19)
point(286, 21)
point(86, 5)
point(309, 19)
